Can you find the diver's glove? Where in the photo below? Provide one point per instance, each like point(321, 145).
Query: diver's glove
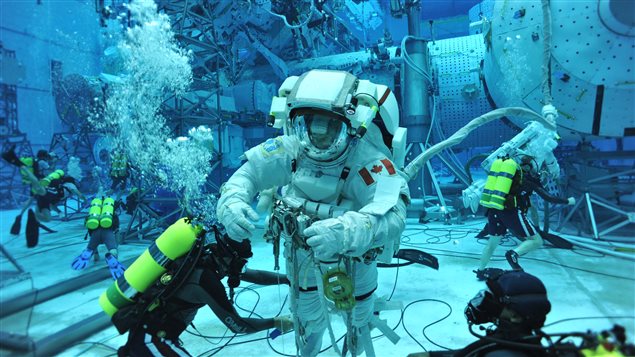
point(345, 234)
point(81, 262)
point(283, 323)
point(238, 218)
point(116, 268)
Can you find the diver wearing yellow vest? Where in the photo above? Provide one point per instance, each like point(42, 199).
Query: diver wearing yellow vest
point(119, 170)
point(102, 223)
point(47, 191)
point(32, 170)
point(507, 196)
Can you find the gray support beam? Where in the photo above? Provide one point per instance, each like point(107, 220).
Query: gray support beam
point(34, 297)
point(416, 106)
point(15, 342)
point(61, 340)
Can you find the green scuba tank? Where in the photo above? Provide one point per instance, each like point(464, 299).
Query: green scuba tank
point(57, 174)
point(28, 162)
point(94, 213)
point(498, 184)
point(490, 184)
point(174, 242)
point(107, 211)
point(503, 183)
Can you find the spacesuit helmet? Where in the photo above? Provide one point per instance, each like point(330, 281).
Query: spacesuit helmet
point(518, 291)
point(327, 109)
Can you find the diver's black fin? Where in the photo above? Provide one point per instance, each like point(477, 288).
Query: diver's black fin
point(555, 240)
point(15, 228)
point(32, 230)
point(47, 229)
point(417, 256)
point(10, 157)
point(488, 273)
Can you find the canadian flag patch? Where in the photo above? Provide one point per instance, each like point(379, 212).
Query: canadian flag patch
point(366, 176)
point(389, 167)
point(367, 172)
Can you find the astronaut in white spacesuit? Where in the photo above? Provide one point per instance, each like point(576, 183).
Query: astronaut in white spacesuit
point(338, 168)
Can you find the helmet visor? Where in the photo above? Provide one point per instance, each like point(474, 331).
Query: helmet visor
point(324, 133)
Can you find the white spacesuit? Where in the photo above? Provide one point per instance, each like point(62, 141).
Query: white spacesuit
point(338, 166)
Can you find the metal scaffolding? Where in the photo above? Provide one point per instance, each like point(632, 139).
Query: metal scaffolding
point(13, 192)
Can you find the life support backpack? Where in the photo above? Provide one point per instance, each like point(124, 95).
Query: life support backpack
point(499, 182)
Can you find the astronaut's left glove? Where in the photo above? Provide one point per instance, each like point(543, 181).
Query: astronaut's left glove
point(351, 232)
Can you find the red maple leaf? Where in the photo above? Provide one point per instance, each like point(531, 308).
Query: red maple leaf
point(377, 169)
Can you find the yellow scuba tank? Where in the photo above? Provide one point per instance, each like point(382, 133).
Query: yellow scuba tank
point(92, 221)
point(504, 180)
point(490, 184)
point(175, 242)
point(107, 211)
point(28, 162)
point(601, 351)
point(52, 176)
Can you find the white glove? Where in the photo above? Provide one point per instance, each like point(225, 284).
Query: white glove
point(571, 201)
point(326, 237)
point(238, 218)
point(349, 234)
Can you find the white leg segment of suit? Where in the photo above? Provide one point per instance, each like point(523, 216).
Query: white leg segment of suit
point(309, 309)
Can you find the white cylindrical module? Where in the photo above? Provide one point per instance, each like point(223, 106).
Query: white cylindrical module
point(593, 44)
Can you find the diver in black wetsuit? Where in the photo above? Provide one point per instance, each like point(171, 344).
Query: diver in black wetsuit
point(513, 217)
point(156, 332)
point(47, 191)
point(516, 302)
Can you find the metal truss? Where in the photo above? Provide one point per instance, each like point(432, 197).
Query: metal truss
point(8, 277)
point(78, 144)
point(145, 222)
point(13, 191)
point(597, 214)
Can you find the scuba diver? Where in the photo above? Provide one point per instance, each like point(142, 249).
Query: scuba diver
point(343, 201)
point(47, 192)
point(517, 305)
point(187, 275)
point(39, 166)
point(102, 223)
point(119, 170)
point(507, 196)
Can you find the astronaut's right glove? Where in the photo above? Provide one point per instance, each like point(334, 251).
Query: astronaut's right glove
point(350, 233)
point(238, 218)
point(571, 201)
